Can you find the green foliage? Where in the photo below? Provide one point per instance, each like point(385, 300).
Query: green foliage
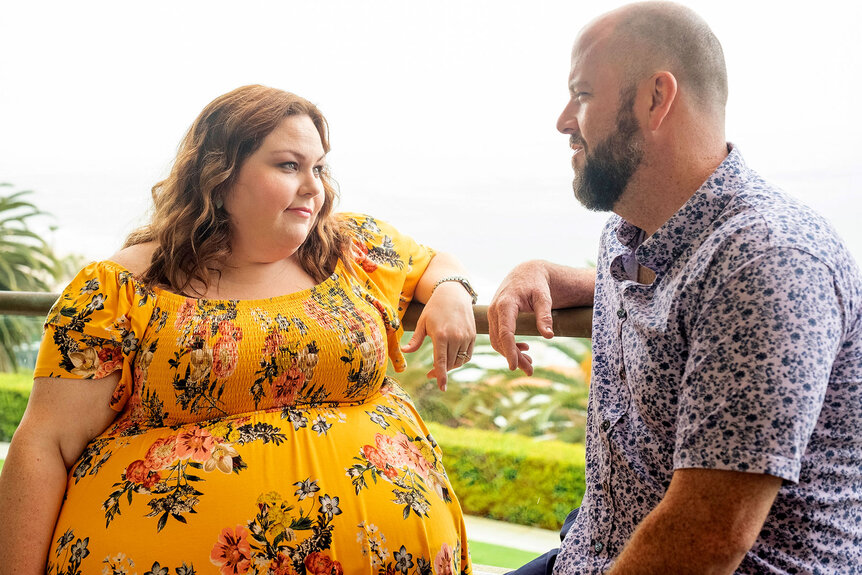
point(14, 392)
point(551, 404)
point(27, 263)
point(512, 478)
point(503, 476)
point(499, 556)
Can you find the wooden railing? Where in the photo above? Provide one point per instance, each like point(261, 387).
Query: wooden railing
point(26, 302)
point(570, 322)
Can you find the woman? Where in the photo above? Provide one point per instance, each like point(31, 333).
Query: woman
point(216, 391)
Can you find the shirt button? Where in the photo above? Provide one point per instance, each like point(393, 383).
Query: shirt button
point(598, 547)
point(621, 313)
point(606, 486)
point(623, 372)
point(606, 425)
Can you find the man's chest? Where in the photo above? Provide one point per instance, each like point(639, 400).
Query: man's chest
point(640, 347)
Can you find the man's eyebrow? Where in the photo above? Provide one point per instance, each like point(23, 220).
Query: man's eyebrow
point(578, 85)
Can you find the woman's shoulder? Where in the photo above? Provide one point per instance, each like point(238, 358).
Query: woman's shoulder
point(366, 228)
point(136, 259)
point(104, 291)
point(352, 219)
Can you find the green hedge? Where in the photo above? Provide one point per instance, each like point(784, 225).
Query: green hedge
point(14, 391)
point(511, 477)
point(503, 476)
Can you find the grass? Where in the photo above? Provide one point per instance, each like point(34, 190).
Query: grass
point(14, 390)
point(499, 556)
point(22, 379)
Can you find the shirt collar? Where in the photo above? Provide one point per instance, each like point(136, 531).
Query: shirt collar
point(672, 239)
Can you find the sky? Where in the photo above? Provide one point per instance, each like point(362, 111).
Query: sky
point(442, 113)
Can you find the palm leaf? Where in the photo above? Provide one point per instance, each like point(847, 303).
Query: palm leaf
point(27, 263)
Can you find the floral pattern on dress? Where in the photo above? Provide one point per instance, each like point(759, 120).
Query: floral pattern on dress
point(71, 552)
point(267, 428)
point(88, 356)
point(209, 338)
point(410, 464)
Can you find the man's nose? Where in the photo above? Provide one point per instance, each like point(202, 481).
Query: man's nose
point(567, 123)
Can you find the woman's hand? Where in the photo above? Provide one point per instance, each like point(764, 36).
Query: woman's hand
point(448, 320)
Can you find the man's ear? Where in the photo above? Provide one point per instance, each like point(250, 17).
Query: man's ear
point(662, 88)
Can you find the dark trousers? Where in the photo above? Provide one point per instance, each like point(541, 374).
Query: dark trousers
point(544, 564)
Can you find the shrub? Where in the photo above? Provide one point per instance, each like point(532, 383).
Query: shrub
point(486, 395)
point(14, 392)
point(502, 476)
point(511, 477)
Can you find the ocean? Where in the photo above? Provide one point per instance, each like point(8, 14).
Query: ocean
point(490, 224)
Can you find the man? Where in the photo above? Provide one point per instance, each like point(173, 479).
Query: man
point(726, 394)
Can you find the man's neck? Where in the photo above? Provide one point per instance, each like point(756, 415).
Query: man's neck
point(659, 189)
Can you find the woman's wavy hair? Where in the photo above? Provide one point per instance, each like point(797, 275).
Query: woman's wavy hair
point(193, 234)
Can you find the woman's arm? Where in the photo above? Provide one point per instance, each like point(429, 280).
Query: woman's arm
point(62, 417)
point(447, 318)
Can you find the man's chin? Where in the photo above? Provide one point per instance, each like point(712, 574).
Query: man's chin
point(592, 201)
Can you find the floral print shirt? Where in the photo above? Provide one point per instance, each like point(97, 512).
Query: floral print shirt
point(744, 354)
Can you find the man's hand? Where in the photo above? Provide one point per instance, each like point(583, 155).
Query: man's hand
point(536, 286)
point(525, 289)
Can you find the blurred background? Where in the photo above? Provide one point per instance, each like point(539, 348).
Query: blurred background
point(442, 113)
point(442, 120)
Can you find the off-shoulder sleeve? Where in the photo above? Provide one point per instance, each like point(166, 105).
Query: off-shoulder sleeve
point(94, 328)
point(390, 263)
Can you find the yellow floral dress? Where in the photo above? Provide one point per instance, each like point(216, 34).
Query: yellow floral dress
point(253, 436)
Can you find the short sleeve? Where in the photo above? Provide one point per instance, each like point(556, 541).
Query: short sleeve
point(390, 263)
point(758, 367)
point(94, 328)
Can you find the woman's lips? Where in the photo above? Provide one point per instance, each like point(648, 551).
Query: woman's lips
point(305, 212)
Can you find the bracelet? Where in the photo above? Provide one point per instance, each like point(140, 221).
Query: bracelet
point(461, 280)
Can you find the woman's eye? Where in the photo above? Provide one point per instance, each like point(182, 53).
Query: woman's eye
point(318, 170)
point(290, 165)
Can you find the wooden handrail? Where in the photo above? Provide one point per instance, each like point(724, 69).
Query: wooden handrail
point(26, 302)
point(570, 322)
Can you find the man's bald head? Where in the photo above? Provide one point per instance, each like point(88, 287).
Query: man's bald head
point(647, 37)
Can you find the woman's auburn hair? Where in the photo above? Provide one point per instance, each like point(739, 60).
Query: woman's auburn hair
point(192, 233)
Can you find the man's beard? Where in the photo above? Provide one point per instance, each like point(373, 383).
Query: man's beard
point(608, 169)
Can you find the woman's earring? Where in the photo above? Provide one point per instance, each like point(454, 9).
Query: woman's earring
point(218, 203)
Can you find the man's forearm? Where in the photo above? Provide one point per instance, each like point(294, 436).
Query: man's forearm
point(570, 287)
point(662, 545)
point(706, 523)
